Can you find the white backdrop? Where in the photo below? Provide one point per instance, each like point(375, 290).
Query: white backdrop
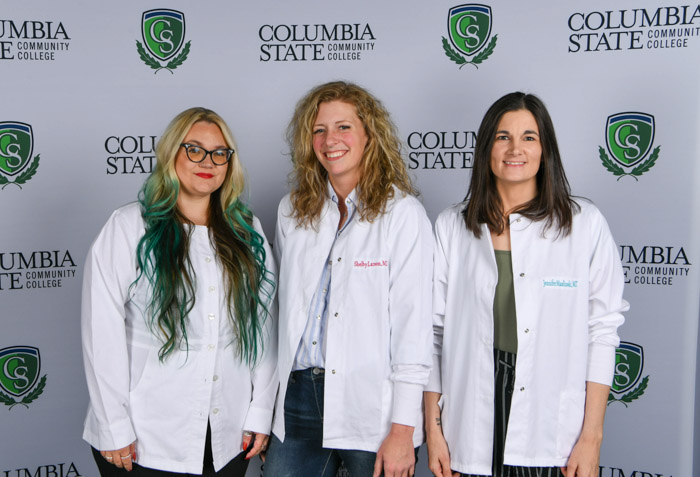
point(71, 71)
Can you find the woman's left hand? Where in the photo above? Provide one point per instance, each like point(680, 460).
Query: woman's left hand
point(584, 458)
point(258, 440)
point(583, 461)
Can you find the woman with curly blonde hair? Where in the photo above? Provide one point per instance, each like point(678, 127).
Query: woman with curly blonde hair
point(178, 317)
point(354, 248)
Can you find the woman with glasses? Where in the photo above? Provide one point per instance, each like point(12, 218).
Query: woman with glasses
point(527, 302)
point(354, 248)
point(178, 317)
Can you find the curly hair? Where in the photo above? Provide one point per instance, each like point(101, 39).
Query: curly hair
point(162, 253)
point(382, 166)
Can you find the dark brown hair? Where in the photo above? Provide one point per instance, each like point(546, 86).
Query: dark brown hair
point(553, 202)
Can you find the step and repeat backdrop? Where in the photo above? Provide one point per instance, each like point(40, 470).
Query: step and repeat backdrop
point(88, 87)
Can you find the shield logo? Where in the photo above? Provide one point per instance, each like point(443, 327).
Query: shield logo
point(19, 369)
point(629, 136)
point(629, 362)
point(469, 27)
point(16, 145)
point(163, 32)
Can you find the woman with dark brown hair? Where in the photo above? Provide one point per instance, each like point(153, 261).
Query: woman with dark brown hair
point(522, 270)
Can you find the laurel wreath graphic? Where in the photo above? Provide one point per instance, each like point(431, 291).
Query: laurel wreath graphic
point(636, 172)
point(26, 400)
point(632, 395)
point(156, 65)
point(478, 59)
point(24, 176)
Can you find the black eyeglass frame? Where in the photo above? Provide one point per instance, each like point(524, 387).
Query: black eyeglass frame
point(187, 147)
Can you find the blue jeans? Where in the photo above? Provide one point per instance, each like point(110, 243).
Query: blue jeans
point(302, 453)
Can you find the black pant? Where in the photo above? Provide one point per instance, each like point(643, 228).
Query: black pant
point(235, 468)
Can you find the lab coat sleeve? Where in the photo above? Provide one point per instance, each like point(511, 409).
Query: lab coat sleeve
point(264, 373)
point(280, 228)
point(410, 242)
point(605, 302)
point(440, 275)
point(109, 271)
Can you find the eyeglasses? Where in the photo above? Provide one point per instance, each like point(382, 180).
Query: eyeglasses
point(197, 154)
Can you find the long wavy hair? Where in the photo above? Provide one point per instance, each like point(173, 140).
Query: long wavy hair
point(553, 202)
point(162, 253)
point(381, 167)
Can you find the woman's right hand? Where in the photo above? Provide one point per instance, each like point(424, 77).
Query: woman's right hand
point(439, 456)
point(122, 458)
point(438, 452)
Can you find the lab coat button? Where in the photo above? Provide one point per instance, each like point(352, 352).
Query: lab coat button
point(211, 316)
point(333, 371)
point(522, 275)
point(527, 330)
point(215, 410)
point(210, 347)
point(522, 389)
point(212, 288)
point(208, 259)
point(336, 314)
point(216, 377)
point(339, 259)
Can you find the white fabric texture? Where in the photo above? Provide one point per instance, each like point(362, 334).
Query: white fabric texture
point(165, 406)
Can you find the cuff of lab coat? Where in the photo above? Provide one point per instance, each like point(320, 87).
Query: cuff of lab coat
point(408, 402)
point(119, 434)
point(601, 363)
point(258, 420)
point(435, 379)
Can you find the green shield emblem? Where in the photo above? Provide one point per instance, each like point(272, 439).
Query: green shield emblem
point(19, 369)
point(16, 144)
point(629, 137)
point(469, 26)
point(629, 362)
point(163, 32)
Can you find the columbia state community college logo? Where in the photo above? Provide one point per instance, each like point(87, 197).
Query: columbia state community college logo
point(629, 138)
point(469, 29)
point(163, 33)
point(19, 373)
point(16, 147)
point(629, 364)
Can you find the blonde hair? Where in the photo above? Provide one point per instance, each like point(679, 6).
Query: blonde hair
point(169, 145)
point(163, 251)
point(382, 167)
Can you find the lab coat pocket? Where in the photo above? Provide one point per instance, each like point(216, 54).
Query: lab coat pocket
point(571, 410)
point(141, 361)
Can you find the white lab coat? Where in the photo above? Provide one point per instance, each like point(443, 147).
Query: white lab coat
point(378, 349)
point(164, 406)
point(568, 299)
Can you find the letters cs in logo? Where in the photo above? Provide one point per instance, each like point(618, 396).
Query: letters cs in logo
point(16, 147)
point(163, 33)
point(469, 27)
point(629, 364)
point(19, 372)
point(629, 138)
